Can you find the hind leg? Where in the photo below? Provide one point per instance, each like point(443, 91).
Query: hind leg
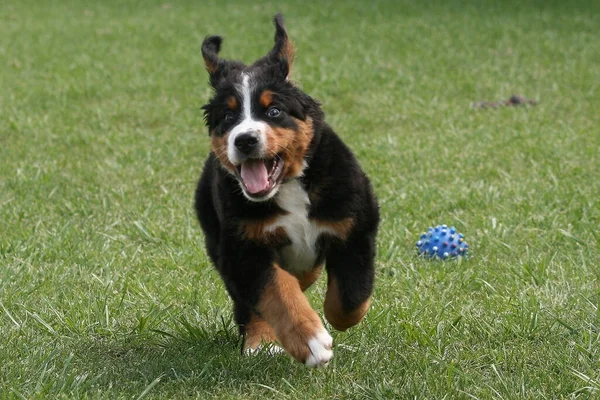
point(350, 281)
point(256, 332)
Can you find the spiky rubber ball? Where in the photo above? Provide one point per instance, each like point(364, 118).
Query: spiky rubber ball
point(442, 242)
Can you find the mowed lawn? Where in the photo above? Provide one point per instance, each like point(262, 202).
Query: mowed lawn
point(105, 288)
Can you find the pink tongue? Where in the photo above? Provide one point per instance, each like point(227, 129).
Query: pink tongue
point(255, 176)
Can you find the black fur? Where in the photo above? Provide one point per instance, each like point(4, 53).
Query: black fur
point(338, 187)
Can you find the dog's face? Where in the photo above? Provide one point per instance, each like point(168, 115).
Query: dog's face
point(260, 124)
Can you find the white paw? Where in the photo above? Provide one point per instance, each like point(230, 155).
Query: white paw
point(320, 347)
point(270, 349)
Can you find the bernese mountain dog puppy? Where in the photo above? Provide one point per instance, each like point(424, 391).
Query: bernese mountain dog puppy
point(281, 197)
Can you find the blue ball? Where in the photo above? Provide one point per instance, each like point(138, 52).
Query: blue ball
point(442, 242)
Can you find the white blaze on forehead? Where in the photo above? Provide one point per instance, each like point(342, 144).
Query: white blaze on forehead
point(246, 97)
point(247, 124)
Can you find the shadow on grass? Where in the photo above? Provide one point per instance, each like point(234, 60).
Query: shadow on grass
point(206, 363)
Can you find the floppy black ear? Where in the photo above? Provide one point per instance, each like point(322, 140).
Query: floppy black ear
point(283, 51)
point(210, 52)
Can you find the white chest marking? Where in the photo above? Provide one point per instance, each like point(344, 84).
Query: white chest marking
point(301, 255)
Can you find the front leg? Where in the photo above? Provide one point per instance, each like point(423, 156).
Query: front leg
point(297, 326)
point(350, 280)
point(254, 279)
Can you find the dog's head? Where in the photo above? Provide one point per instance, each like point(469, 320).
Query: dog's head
point(260, 124)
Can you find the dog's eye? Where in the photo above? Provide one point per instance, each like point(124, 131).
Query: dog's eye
point(273, 112)
point(228, 117)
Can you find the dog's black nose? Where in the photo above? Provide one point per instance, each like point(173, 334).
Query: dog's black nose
point(247, 142)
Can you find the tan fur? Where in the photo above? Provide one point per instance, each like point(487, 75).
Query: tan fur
point(210, 66)
point(341, 228)
point(288, 52)
point(292, 145)
point(255, 230)
point(308, 278)
point(266, 98)
point(334, 311)
point(232, 103)
point(256, 332)
point(219, 148)
point(286, 309)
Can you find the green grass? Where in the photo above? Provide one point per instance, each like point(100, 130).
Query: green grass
point(106, 291)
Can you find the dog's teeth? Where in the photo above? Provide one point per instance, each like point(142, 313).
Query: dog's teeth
point(274, 167)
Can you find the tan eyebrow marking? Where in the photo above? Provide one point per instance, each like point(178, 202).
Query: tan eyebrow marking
point(232, 102)
point(266, 98)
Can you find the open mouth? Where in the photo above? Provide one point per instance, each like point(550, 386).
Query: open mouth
point(260, 176)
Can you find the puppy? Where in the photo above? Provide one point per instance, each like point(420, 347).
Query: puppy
point(280, 197)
